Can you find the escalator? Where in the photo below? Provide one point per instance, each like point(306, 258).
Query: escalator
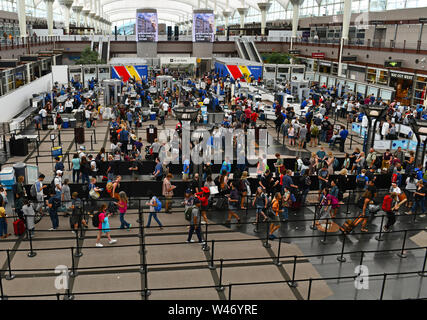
point(254, 51)
point(241, 50)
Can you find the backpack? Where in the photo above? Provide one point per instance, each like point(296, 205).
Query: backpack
point(292, 198)
point(336, 164)
point(158, 206)
point(396, 178)
point(425, 176)
point(307, 181)
point(377, 162)
point(360, 181)
point(315, 131)
point(387, 203)
point(306, 161)
point(52, 186)
point(95, 220)
point(33, 190)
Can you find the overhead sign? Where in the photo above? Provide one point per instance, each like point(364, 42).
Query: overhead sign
point(178, 60)
point(203, 27)
point(392, 64)
point(349, 58)
point(146, 26)
point(401, 75)
point(318, 55)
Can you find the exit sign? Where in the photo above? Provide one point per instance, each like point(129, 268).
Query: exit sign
point(392, 64)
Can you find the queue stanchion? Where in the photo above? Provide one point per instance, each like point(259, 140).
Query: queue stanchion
point(278, 263)
point(69, 295)
point(94, 136)
point(310, 282)
point(348, 202)
point(266, 244)
point(362, 255)
point(91, 143)
point(351, 140)
point(73, 272)
point(383, 286)
point(379, 236)
point(146, 292)
point(293, 283)
point(3, 296)
point(220, 287)
point(423, 273)
point(32, 253)
point(141, 229)
point(205, 246)
point(139, 210)
point(313, 226)
point(58, 296)
point(402, 253)
point(78, 252)
point(211, 264)
point(341, 257)
point(9, 276)
point(59, 137)
point(325, 234)
point(229, 291)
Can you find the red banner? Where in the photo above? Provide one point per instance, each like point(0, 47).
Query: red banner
point(318, 55)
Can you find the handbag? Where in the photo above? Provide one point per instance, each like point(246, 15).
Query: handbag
point(93, 194)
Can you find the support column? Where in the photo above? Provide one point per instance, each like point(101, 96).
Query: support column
point(215, 15)
point(345, 28)
point(78, 10)
point(85, 13)
point(92, 20)
point(295, 17)
point(263, 6)
point(22, 18)
point(66, 4)
point(49, 8)
point(242, 12)
point(226, 15)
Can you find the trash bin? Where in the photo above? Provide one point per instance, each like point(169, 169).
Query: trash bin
point(79, 135)
point(18, 147)
point(151, 133)
point(72, 123)
point(20, 171)
point(65, 123)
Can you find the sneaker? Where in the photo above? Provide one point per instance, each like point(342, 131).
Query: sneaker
point(99, 245)
point(73, 232)
point(130, 226)
point(272, 237)
point(422, 215)
point(51, 229)
point(191, 241)
point(203, 222)
point(112, 241)
point(202, 243)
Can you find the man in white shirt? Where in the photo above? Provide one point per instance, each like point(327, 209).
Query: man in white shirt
point(68, 105)
point(384, 129)
point(43, 113)
point(58, 183)
point(165, 106)
point(364, 121)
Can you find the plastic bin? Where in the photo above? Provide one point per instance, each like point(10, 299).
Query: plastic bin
point(152, 116)
point(65, 123)
point(7, 177)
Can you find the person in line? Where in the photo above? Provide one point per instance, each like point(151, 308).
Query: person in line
point(104, 226)
point(123, 206)
point(275, 207)
point(233, 199)
point(39, 193)
point(167, 191)
point(203, 196)
point(77, 216)
point(29, 215)
point(75, 166)
point(154, 209)
point(195, 221)
point(3, 224)
point(419, 199)
point(53, 204)
point(66, 197)
point(260, 202)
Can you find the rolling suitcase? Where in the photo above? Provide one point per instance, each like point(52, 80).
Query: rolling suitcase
point(349, 225)
point(221, 204)
point(19, 227)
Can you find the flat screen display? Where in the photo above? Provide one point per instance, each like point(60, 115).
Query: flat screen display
point(146, 27)
point(203, 27)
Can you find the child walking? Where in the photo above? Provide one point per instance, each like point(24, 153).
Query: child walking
point(123, 206)
point(104, 226)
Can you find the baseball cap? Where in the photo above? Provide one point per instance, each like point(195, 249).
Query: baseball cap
point(188, 190)
point(58, 171)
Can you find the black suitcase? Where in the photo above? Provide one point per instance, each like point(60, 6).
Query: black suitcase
point(221, 204)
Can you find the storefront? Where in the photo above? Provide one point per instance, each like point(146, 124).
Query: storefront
point(377, 76)
point(325, 67)
point(420, 89)
point(403, 84)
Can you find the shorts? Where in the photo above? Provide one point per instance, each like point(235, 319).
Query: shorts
point(204, 208)
point(232, 207)
point(259, 209)
point(275, 220)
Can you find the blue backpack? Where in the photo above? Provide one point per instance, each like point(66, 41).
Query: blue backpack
point(158, 207)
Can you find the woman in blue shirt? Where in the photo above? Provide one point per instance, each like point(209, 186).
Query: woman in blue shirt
point(75, 166)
